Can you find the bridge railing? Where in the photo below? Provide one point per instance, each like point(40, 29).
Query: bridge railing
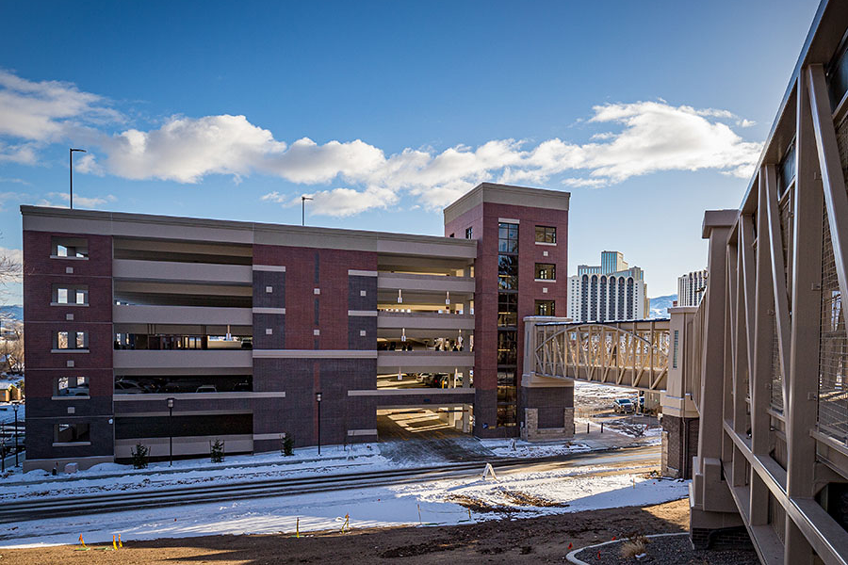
point(630, 353)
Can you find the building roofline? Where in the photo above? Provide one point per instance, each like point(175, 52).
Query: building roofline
point(488, 192)
point(240, 226)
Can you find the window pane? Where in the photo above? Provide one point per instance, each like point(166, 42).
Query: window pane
point(837, 76)
point(786, 170)
point(80, 343)
point(62, 296)
point(62, 340)
point(507, 394)
point(545, 234)
point(508, 272)
point(71, 433)
point(546, 271)
point(507, 309)
point(507, 347)
point(506, 378)
point(508, 238)
point(545, 308)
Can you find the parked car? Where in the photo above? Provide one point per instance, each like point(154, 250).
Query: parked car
point(128, 387)
point(79, 390)
point(623, 405)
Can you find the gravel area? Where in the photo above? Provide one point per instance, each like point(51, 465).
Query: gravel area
point(670, 550)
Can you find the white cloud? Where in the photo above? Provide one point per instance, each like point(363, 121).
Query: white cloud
point(23, 154)
point(14, 180)
point(8, 197)
point(79, 201)
point(745, 123)
point(45, 110)
point(647, 137)
point(186, 149)
point(636, 139)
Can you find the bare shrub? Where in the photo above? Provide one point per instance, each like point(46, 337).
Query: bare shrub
point(633, 546)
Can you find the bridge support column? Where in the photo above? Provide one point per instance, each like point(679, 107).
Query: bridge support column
point(547, 408)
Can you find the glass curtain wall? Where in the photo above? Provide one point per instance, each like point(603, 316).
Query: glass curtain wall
point(507, 323)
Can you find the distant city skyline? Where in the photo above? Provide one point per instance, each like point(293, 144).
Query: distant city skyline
point(384, 113)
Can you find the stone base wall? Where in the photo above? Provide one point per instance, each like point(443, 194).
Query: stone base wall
point(722, 538)
point(532, 432)
point(677, 450)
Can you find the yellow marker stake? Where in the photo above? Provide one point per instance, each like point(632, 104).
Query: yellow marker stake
point(82, 542)
point(114, 544)
point(347, 523)
point(297, 528)
point(120, 543)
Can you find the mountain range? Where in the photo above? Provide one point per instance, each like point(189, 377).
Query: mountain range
point(661, 304)
point(14, 312)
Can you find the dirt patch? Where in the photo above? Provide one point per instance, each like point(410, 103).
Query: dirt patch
point(527, 541)
point(523, 499)
point(515, 498)
point(477, 505)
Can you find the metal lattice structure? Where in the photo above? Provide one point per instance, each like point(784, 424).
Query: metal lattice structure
point(773, 381)
point(629, 354)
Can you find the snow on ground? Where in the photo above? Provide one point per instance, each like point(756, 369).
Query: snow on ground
point(7, 413)
point(112, 477)
point(442, 502)
point(524, 449)
point(592, 394)
point(621, 427)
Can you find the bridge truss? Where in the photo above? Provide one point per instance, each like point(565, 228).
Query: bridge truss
point(630, 354)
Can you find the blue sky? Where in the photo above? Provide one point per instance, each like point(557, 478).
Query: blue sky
point(647, 112)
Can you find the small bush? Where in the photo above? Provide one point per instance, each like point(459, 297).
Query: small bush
point(216, 451)
point(140, 456)
point(288, 445)
point(633, 546)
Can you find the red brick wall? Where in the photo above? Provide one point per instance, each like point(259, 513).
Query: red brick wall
point(484, 221)
point(333, 266)
point(42, 320)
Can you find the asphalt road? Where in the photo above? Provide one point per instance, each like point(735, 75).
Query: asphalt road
point(114, 502)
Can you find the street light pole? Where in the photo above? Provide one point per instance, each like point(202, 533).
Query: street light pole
point(318, 400)
point(71, 162)
point(16, 405)
point(303, 200)
point(170, 432)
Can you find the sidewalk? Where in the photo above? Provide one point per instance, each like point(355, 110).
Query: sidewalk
point(609, 439)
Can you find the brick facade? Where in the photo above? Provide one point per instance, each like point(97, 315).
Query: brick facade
point(45, 363)
point(483, 221)
point(678, 451)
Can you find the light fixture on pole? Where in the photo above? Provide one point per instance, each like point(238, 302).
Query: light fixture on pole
point(318, 400)
point(16, 405)
point(170, 432)
point(303, 200)
point(71, 162)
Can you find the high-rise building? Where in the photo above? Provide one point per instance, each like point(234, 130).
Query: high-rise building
point(610, 291)
point(691, 287)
